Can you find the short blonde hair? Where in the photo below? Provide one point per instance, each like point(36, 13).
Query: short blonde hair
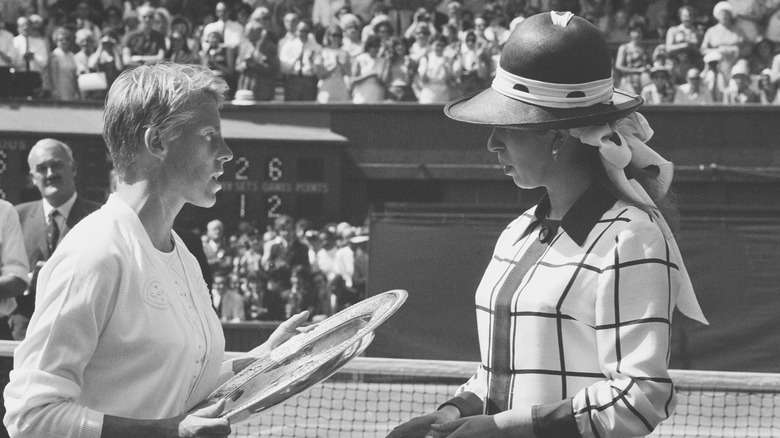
point(154, 96)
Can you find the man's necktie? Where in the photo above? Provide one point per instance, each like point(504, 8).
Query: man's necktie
point(52, 231)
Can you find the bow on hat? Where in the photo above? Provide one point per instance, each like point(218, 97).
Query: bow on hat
point(621, 143)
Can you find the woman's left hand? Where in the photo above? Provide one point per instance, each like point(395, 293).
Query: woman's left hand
point(504, 425)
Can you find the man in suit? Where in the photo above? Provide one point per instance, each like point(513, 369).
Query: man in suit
point(47, 221)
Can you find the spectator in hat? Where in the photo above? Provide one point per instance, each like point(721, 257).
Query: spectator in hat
point(34, 50)
point(180, 51)
point(632, 61)
point(350, 25)
point(712, 76)
point(107, 57)
point(740, 92)
point(435, 75)
point(682, 41)
point(693, 92)
point(661, 89)
point(762, 55)
point(580, 270)
point(725, 38)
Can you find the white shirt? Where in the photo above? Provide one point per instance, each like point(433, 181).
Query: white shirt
point(38, 46)
point(344, 264)
point(231, 32)
point(63, 210)
point(296, 57)
point(13, 255)
point(116, 331)
point(7, 47)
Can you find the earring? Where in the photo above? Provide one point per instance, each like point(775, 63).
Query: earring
point(555, 152)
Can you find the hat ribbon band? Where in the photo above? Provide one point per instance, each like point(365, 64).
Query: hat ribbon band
point(620, 143)
point(550, 94)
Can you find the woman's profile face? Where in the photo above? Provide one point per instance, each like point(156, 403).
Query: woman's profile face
point(524, 155)
point(195, 159)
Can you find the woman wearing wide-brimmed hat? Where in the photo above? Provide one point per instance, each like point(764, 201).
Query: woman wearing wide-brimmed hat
point(574, 310)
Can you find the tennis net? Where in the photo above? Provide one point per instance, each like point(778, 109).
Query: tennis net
point(370, 396)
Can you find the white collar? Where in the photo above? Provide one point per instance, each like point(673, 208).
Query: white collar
point(63, 209)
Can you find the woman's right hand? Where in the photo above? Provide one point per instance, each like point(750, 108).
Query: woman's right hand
point(420, 427)
point(204, 423)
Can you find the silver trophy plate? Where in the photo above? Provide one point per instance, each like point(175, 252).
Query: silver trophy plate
point(305, 359)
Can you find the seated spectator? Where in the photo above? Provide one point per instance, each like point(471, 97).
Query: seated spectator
point(143, 44)
point(250, 262)
point(180, 51)
point(258, 62)
point(682, 41)
point(739, 92)
point(351, 26)
point(260, 304)
point(85, 42)
point(323, 304)
point(334, 71)
point(401, 73)
point(326, 253)
point(215, 56)
point(725, 38)
point(108, 57)
point(299, 296)
point(713, 77)
point(420, 16)
point(298, 59)
point(660, 90)
point(343, 296)
point(286, 250)
point(767, 88)
point(277, 281)
point(232, 306)
point(230, 31)
point(9, 59)
point(693, 92)
point(384, 30)
point(162, 23)
point(632, 62)
point(112, 20)
point(435, 74)
point(215, 246)
point(762, 55)
point(369, 72)
point(497, 30)
point(63, 71)
point(183, 26)
point(290, 21)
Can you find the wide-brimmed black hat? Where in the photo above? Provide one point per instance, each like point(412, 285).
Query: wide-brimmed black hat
point(555, 72)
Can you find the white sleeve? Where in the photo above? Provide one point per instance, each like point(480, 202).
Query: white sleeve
point(13, 255)
point(76, 296)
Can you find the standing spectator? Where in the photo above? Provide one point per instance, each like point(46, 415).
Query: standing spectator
point(258, 62)
point(693, 92)
point(350, 25)
point(360, 276)
point(162, 24)
point(335, 68)
point(739, 92)
point(13, 265)
point(9, 58)
point(63, 71)
point(180, 51)
point(682, 41)
point(619, 29)
point(219, 287)
point(215, 56)
point(369, 73)
point(108, 57)
point(401, 73)
point(84, 19)
point(435, 74)
point(47, 221)
point(299, 296)
point(143, 44)
point(34, 51)
point(660, 90)
point(422, 42)
point(323, 305)
point(323, 12)
point(496, 30)
point(290, 23)
point(85, 42)
point(286, 250)
point(298, 59)
point(251, 260)
point(767, 88)
point(725, 38)
point(474, 74)
point(278, 280)
point(326, 253)
point(112, 20)
point(230, 31)
point(183, 26)
point(713, 77)
point(632, 61)
point(261, 304)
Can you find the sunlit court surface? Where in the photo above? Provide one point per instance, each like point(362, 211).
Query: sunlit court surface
point(370, 396)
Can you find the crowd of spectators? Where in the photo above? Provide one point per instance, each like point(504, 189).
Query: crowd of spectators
point(368, 51)
point(291, 267)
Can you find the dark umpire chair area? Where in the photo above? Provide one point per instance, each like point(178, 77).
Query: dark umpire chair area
point(19, 84)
